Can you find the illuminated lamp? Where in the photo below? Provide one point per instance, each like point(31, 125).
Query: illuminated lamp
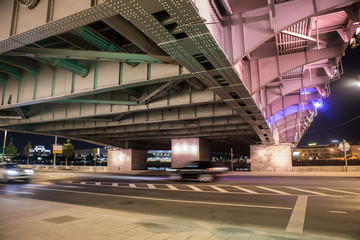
point(177, 148)
point(317, 104)
point(184, 147)
point(193, 149)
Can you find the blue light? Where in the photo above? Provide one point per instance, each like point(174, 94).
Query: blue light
point(306, 91)
point(317, 104)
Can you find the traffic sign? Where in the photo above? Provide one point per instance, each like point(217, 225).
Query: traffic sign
point(341, 146)
point(57, 148)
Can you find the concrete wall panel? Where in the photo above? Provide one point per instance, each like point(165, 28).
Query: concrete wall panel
point(271, 158)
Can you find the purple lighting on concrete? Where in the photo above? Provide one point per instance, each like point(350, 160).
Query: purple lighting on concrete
point(288, 111)
point(308, 90)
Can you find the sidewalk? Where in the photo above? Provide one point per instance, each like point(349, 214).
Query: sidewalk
point(30, 219)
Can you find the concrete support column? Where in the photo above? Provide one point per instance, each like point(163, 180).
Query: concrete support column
point(127, 160)
point(271, 158)
point(185, 150)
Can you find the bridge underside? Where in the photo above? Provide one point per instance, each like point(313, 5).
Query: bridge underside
point(136, 74)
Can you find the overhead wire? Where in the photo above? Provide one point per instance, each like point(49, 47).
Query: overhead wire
point(338, 125)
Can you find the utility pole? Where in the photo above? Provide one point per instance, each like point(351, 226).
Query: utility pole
point(54, 162)
point(345, 154)
point(232, 162)
point(3, 153)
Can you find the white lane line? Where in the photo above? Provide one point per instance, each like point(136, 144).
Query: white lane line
point(308, 191)
point(69, 186)
point(115, 184)
point(218, 189)
point(297, 219)
point(171, 187)
point(195, 188)
point(151, 186)
point(132, 185)
point(22, 192)
point(69, 181)
point(245, 190)
point(98, 183)
point(342, 212)
point(83, 183)
point(274, 190)
point(341, 191)
point(161, 199)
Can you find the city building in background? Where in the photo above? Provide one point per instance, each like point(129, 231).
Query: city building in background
point(325, 152)
point(98, 152)
point(39, 150)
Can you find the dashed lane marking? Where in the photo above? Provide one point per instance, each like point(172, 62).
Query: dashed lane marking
point(341, 191)
point(132, 185)
point(195, 188)
point(172, 187)
point(151, 186)
point(98, 183)
point(245, 190)
point(308, 191)
point(115, 184)
point(297, 219)
point(273, 190)
point(83, 183)
point(163, 199)
point(218, 189)
point(342, 212)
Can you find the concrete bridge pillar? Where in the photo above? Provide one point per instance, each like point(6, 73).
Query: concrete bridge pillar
point(271, 158)
point(185, 150)
point(127, 160)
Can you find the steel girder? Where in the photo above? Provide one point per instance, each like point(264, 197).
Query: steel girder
point(173, 133)
point(56, 112)
point(288, 111)
point(198, 123)
point(58, 84)
point(252, 23)
point(248, 30)
point(266, 70)
point(198, 52)
point(292, 117)
point(288, 100)
point(183, 113)
point(86, 55)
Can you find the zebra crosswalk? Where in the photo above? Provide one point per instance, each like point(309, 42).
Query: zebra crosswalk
point(234, 189)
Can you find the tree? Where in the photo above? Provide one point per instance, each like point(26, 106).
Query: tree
point(26, 152)
point(11, 150)
point(68, 150)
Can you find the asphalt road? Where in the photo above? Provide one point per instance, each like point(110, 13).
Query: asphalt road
point(327, 206)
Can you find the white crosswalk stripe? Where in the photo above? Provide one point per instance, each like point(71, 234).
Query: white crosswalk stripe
point(274, 190)
point(171, 187)
point(218, 189)
point(132, 185)
point(308, 191)
point(245, 190)
point(341, 191)
point(115, 184)
point(195, 188)
point(151, 186)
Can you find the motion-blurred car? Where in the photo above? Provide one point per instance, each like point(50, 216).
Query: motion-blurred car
point(203, 171)
point(11, 172)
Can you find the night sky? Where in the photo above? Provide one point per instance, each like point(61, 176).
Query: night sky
point(341, 107)
point(333, 121)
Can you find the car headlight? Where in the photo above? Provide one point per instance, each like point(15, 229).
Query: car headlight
point(29, 171)
point(12, 172)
